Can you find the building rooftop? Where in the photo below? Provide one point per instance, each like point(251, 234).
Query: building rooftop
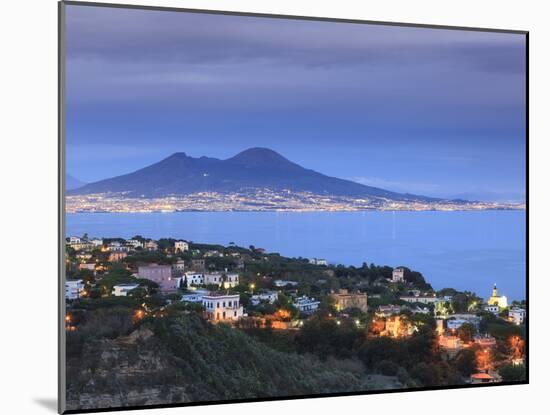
point(154, 266)
point(222, 294)
point(481, 376)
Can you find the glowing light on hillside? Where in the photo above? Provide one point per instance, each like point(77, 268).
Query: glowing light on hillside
point(283, 314)
point(139, 314)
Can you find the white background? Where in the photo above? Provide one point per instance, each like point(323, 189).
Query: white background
point(28, 275)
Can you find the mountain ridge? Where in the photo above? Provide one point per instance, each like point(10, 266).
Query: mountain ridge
point(72, 182)
point(253, 168)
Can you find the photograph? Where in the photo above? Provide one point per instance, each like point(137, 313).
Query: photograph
point(262, 207)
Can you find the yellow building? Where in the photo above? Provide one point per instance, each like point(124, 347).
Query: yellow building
point(344, 299)
point(496, 299)
point(397, 327)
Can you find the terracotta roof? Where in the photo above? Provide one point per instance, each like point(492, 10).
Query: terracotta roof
point(481, 376)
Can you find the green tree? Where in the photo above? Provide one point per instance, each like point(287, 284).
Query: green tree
point(512, 373)
point(387, 367)
point(373, 350)
point(466, 332)
point(426, 374)
point(326, 337)
point(465, 362)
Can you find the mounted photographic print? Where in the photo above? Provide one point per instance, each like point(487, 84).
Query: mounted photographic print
point(258, 207)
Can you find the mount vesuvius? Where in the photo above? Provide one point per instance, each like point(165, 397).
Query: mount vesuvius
point(255, 168)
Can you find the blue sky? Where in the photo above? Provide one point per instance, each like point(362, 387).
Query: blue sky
point(427, 111)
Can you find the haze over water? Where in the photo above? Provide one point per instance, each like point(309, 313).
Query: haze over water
point(464, 250)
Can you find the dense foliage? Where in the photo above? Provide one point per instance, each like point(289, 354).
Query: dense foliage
point(219, 362)
point(210, 362)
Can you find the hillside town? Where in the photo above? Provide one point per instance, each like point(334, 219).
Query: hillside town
point(303, 302)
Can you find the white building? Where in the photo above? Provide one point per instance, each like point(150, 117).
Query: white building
point(78, 243)
point(456, 323)
point(73, 289)
point(181, 246)
point(116, 246)
point(491, 308)
point(423, 299)
point(517, 315)
point(388, 310)
point(134, 243)
point(421, 310)
point(194, 296)
point(122, 290)
point(227, 280)
point(398, 275)
point(306, 305)
point(284, 283)
point(97, 242)
point(222, 307)
point(231, 280)
point(318, 261)
point(469, 318)
point(193, 278)
point(268, 296)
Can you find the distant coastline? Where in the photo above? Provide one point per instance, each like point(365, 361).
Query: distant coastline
point(265, 200)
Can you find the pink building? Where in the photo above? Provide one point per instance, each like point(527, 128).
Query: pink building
point(161, 274)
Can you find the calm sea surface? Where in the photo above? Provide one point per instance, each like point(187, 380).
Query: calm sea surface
point(464, 250)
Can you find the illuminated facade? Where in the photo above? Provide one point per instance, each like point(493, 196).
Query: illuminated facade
point(500, 300)
point(73, 289)
point(517, 315)
point(343, 300)
point(122, 290)
point(181, 246)
point(396, 326)
point(222, 307)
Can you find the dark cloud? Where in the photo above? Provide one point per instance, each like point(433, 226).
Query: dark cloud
point(209, 61)
point(147, 36)
point(216, 84)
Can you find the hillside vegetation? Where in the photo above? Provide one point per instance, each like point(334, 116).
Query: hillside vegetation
point(182, 358)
